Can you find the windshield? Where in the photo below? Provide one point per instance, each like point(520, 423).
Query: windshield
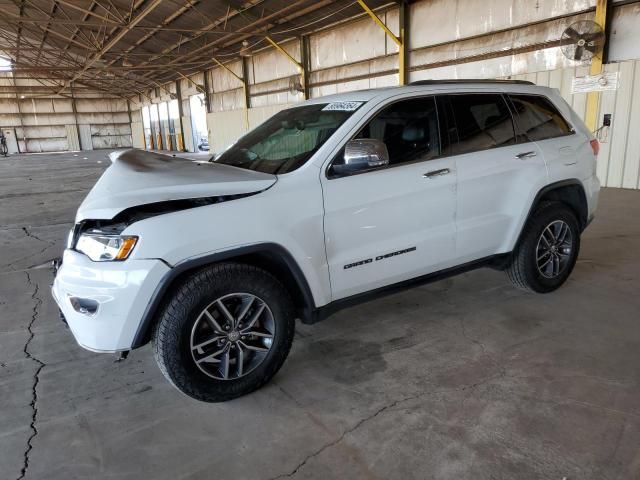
point(289, 138)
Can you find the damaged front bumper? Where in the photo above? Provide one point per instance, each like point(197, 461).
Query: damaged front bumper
point(103, 302)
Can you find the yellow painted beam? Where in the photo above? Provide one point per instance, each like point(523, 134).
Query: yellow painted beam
point(301, 68)
point(228, 69)
point(593, 98)
point(400, 41)
point(283, 51)
point(380, 23)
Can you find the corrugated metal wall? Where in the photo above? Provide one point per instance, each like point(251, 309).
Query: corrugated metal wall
point(46, 124)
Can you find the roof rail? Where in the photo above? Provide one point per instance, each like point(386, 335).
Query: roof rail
point(470, 80)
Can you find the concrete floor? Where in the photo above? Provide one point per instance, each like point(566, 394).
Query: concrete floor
point(465, 378)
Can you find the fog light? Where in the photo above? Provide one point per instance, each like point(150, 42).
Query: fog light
point(86, 306)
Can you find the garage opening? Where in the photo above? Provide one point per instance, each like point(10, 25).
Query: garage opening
point(199, 123)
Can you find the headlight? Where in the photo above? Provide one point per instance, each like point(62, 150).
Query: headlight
point(105, 248)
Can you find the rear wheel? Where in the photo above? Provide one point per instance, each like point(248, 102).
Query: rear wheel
point(225, 332)
point(548, 249)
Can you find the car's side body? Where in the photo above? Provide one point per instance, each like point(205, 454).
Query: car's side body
point(334, 239)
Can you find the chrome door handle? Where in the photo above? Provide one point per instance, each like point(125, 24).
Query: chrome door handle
point(437, 173)
point(523, 155)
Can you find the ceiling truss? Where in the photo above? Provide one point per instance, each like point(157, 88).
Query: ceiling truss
point(126, 47)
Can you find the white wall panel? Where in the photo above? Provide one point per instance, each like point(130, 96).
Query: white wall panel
point(438, 21)
point(72, 137)
point(137, 135)
point(225, 128)
point(259, 115)
point(631, 169)
point(624, 40)
point(353, 42)
point(271, 63)
point(222, 80)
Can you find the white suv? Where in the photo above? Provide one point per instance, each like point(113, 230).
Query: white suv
point(327, 203)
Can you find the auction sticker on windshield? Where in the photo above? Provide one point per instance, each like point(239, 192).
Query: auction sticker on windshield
point(342, 106)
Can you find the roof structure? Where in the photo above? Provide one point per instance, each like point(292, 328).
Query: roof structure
point(124, 47)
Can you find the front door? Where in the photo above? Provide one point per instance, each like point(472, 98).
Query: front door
point(396, 222)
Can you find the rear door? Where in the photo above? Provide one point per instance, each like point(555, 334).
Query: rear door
point(396, 222)
point(540, 121)
point(496, 172)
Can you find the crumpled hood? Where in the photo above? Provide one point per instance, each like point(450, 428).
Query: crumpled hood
point(137, 177)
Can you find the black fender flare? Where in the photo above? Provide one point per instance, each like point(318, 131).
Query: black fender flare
point(549, 188)
point(145, 327)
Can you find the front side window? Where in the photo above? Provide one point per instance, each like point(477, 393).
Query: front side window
point(538, 118)
point(288, 139)
point(482, 121)
point(408, 128)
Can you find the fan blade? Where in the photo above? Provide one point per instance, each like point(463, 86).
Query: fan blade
point(589, 37)
point(571, 33)
point(591, 48)
point(578, 54)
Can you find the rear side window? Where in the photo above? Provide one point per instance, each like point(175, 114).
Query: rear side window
point(538, 118)
point(482, 121)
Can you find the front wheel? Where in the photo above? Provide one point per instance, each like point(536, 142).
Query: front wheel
point(548, 249)
point(225, 332)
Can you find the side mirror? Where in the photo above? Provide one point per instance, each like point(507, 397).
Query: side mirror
point(365, 153)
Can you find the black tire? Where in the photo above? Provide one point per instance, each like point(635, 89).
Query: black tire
point(523, 269)
point(172, 333)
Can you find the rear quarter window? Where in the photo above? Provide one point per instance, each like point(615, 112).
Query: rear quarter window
point(538, 118)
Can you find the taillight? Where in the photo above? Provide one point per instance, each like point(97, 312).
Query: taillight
point(595, 146)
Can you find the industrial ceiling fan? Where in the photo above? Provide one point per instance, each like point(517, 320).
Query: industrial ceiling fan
point(582, 40)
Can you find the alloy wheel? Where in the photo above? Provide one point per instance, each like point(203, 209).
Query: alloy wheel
point(554, 249)
point(232, 336)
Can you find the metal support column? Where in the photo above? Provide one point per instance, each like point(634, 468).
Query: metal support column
point(593, 98)
point(306, 65)
point(206, 91)
point(400, 41)
point(75, 115)
point(245, 90)
point(180, 114)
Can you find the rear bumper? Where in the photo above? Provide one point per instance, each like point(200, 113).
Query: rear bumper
point(592, 191)
point(103, 302)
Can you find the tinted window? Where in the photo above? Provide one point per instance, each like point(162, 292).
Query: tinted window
point(538, 118)
point(482, 121)
point(287, 140)
point(408, 128)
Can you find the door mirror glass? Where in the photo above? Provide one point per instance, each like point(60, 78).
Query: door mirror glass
point(364, 154)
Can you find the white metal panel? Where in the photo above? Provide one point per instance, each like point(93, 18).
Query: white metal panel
point(228, 100)
point(85, 137)
point(631, 169)
point(187, 136)
point(10, 136)
point(222, 80)
point(607, 105)
point(620, 132)
point(438, 21)
point(225, 128)
point(624, 39)
point(352, 42)
point(260, 114)
point(271, 64)
point(137, 135)
point(72, 137)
